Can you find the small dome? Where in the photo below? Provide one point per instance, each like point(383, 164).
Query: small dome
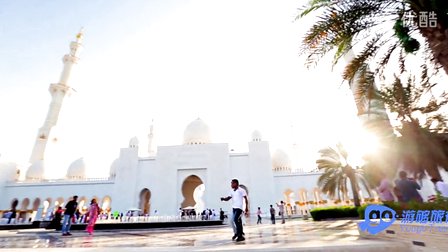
point(9, 172)
point(197, 132)
point(133, 142)
point(256, 136)
point(36, 171)
point(281, 161)
point(77, 170)
point(114, 168)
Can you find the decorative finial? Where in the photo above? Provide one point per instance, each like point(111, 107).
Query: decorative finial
point(80, 35)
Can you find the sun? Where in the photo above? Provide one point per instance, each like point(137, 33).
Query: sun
point(359, 144)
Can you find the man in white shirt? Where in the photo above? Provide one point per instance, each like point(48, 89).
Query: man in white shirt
point(237, 194)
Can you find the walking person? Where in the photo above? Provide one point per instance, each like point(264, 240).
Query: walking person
point(237, 194)
point(272, 211)
point(70, 210)
point(408, 188)
point(281, 210)
point(93, 212)
point(385, 190)
point(259, 216)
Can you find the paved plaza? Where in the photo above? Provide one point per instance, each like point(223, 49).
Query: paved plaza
point(295, 235)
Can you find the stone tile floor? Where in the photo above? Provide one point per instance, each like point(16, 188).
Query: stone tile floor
point(295, 235)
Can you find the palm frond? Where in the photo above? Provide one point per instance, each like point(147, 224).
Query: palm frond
point(339, 24)
point(360, 61)
point(314, 5)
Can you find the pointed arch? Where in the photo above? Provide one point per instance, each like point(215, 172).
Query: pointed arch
point(193, 190)
point(14, 203)
point(145, 201)
point(36, 204)
point(25, 204)
point(106, 203)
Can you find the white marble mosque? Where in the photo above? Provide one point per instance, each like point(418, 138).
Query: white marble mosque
point(195, 173)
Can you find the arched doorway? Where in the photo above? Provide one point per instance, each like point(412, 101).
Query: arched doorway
point(303, 195)
point(290, 201)
point(105, 206)
point(14, 204)
point(59, 202)
point(25, 203)
point(145, 197)
point(193, 190)
point(36, 204)
point(83, 204)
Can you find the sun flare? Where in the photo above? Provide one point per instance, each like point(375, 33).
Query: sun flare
point(359, 144)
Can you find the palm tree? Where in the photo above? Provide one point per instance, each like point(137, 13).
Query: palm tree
point(377, 26)
point(422, 124)
point(336, 173)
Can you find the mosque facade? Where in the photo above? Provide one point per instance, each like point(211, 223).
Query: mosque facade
point(193, 174)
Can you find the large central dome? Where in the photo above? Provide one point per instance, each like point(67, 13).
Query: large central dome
point(197, 132)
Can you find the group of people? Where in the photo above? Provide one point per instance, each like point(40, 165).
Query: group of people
point(206, 214)
point(281, 213)
point(406, 189)
point(68, 215)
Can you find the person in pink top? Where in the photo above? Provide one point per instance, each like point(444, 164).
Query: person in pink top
point(385, 190)
point(94, 210)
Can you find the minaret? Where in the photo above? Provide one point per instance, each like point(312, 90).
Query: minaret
point(58, 91)
point(151, 138)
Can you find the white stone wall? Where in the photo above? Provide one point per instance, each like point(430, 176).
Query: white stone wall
point(164, 174)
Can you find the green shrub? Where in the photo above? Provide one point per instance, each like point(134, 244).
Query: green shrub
point(333, 212)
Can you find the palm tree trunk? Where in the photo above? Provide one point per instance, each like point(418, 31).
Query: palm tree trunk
point(354, 184)
point(437, 38)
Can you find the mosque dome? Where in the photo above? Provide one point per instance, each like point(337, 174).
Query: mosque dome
point(36, 171)
point(256, 136)
point(77, 170)
point(114, 168)
point(281, 161)
point(9, 172)
point(197, 132)
point(133, 142)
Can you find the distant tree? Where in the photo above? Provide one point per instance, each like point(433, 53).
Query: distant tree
point(334, 163)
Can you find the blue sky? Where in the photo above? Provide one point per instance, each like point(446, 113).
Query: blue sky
point(235, 64)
